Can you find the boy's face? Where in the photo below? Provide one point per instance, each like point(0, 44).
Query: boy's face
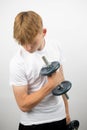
point(37, 43)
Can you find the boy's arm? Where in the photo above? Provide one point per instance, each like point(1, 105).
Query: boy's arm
point(27, 101)
point(66, 103)
point(68, 119)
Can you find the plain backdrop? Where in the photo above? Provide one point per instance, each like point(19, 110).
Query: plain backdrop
point(66, 21)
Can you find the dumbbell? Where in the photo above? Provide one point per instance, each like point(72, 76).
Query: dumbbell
point(51, 68)
point(73, 125)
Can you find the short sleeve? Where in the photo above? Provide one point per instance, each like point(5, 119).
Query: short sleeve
point(17, 74)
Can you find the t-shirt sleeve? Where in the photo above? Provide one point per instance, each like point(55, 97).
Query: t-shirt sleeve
point(17, 74)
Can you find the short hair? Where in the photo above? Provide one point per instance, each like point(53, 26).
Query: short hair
point(26, 26)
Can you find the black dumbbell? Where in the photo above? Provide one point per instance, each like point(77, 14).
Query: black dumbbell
point(48, 70)
point(73, 125)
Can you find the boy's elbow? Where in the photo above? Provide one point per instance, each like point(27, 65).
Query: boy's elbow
point(24, 108)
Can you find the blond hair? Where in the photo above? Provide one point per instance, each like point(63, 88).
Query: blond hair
point(26, 26)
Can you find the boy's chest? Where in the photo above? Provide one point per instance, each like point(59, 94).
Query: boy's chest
point(34, 63)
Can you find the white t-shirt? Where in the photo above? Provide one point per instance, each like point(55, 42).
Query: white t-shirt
point(25, 70)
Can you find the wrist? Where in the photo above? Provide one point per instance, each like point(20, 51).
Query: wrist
point(67, 114)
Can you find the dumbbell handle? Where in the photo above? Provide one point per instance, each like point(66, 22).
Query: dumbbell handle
point(47, 63)
point(66, 95)
point(45, 60)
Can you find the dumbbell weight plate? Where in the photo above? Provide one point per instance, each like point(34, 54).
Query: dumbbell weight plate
point(73, 125)
point(48, 70)
point(62, 88)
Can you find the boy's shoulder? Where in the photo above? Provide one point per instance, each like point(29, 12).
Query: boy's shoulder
point(16, 59)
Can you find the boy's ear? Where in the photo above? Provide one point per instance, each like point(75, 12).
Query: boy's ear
point(44, 31)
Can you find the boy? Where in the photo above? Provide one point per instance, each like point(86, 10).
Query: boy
point(33, 93)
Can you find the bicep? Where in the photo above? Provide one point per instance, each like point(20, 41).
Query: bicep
point(20, 93)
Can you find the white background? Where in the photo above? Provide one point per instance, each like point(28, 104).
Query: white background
point(66, 21)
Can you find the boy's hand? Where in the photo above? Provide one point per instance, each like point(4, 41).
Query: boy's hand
point(68, 119)
point(56, 78)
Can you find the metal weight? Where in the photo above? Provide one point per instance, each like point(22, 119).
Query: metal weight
point(48, 70)
point(63, 88)
point(73, 125)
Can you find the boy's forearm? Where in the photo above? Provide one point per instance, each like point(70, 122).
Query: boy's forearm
point(66, 104)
